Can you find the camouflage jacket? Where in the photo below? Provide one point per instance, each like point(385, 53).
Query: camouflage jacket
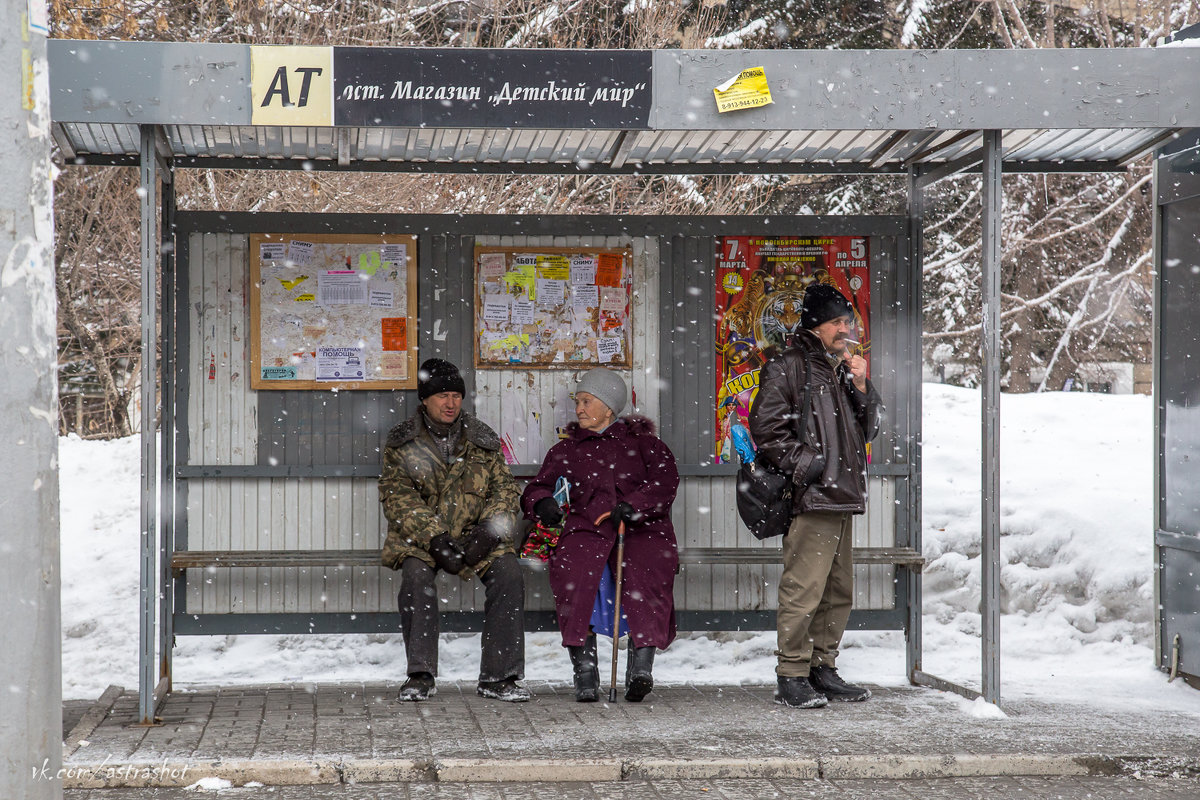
point(423, 496)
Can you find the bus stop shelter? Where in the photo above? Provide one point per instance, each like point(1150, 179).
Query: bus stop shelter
point(920, 115)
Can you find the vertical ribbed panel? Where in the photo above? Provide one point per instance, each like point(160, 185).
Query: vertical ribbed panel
point(688, 334)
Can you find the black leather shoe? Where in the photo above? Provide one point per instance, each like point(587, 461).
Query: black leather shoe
point(827, 681)
point(587, 671)
point(798, 693)
point(419, 686)
point(639, 679)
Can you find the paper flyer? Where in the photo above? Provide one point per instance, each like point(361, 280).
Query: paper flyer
point(747, 89)
point(340, 364)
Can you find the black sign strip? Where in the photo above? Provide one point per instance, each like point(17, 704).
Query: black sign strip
point(481, 88)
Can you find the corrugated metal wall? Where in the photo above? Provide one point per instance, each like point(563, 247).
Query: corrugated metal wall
point(228, 424)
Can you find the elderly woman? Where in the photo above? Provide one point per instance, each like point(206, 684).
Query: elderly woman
point(618, 471)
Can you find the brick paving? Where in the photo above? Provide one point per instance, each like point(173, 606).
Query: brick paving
point(1081, 788)
point(330, 733)
point(675, 722)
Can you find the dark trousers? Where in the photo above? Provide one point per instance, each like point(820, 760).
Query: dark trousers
point(503, 642)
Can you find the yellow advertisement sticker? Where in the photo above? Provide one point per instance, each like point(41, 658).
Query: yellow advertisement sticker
point(747, 89)
point(291, 85)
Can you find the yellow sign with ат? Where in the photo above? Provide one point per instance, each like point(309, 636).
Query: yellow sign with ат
point(291, 85)
point(747, 89)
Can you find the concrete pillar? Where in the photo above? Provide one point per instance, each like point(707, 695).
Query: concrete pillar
point(31, 660)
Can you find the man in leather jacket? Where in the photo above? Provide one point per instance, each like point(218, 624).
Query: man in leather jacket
point(825, 454)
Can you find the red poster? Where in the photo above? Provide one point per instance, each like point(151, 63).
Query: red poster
point(760, 286)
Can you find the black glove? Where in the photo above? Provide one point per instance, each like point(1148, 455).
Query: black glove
point(481, 541)
point(548, 512)
point(623, 512)
point(446, 553)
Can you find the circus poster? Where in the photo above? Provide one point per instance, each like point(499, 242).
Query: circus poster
point(760, 285)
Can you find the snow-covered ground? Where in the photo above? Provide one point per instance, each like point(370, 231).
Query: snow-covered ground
point(1077, 594)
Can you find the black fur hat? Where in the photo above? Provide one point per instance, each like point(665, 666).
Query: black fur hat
point(822, 303)
point(438, 375)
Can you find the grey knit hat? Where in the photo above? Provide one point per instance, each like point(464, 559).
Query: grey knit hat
point(606, 386)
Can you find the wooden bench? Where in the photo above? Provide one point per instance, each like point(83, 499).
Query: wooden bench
point(905, 557)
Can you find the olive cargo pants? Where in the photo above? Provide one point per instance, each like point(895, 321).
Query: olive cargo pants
point(816, 591)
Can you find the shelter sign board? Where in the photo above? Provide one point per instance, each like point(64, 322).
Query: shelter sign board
point(492, 88)
point(333, 311)
point(553, 307)
point(760, 285)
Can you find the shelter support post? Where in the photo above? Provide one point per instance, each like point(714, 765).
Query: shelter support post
point(148, 194)
point(989, 555)
point(166, 628)
point(991, 169)
point(913, 288)
point(918, 179)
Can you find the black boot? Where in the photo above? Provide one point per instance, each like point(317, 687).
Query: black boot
point(587, 673)
point(638, 678)
point(827, 681)
point(798, 693)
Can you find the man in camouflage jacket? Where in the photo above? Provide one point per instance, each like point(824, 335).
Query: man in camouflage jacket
point(451, 504)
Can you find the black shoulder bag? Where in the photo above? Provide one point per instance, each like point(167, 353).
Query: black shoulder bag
point(764, 494)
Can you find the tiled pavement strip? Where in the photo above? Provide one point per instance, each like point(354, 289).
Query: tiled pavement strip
point(342, 734)
point(1083, 788)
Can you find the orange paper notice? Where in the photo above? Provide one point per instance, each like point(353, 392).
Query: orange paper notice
point(608, 269)
point(395, 333)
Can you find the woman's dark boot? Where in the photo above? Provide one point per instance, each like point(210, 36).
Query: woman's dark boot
point(638, 678)
point(587, 673)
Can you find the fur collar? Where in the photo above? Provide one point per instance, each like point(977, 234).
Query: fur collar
point(476, 432)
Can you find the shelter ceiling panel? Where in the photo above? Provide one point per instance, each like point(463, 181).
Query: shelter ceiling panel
point(585, 148)
point(948, 147)
point(697, 147)
point(760, 147)
point(1076, 145)
point(102, 138)
point(1084, 143)
point(852, 146)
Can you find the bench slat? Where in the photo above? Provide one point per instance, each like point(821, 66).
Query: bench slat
point(203, 559)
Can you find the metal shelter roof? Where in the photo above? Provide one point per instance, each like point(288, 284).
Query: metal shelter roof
point(616, 111)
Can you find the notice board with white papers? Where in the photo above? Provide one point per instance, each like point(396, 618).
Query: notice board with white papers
point(333, 311)
point(553, 307)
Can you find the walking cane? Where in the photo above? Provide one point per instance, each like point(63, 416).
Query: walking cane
point(612, 686)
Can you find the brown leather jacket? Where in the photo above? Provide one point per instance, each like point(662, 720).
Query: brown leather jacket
point(828, 464)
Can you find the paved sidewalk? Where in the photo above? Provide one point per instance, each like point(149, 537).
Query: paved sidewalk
point(340, 734)
point(1084, 788)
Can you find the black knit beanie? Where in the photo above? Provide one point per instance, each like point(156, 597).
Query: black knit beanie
point(822, 303)
point(438, 375)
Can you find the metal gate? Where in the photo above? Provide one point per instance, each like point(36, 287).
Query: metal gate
point(1177, 404)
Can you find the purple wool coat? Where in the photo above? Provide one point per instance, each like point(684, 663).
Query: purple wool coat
point(625, 462)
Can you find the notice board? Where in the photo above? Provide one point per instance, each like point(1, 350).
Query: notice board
point(553, 307)
point(333, 311)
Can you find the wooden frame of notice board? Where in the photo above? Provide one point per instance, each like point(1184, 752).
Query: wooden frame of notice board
point(553, 307)
point(333, 311)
